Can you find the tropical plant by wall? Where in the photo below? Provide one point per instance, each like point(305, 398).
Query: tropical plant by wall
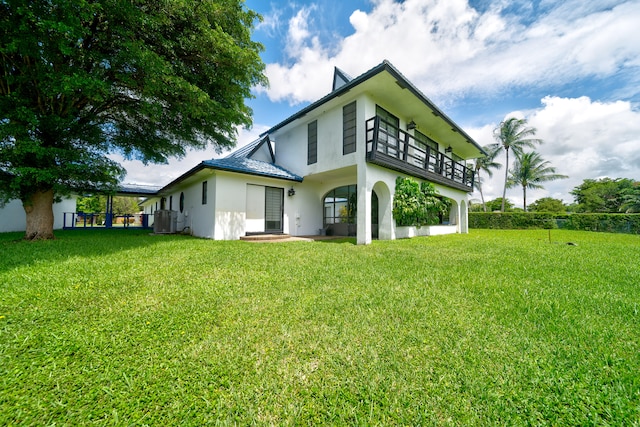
point(416, 204)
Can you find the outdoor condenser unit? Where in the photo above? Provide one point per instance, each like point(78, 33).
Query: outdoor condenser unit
point(165, 221)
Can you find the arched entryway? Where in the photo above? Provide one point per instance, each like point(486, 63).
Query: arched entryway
point(375, 215)
point(381, 214)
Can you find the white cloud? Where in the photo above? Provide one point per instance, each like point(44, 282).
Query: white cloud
point(582, 139)
point(310, 64)
point(271, 23)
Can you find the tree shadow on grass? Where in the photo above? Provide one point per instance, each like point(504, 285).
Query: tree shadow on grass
point(16, 252)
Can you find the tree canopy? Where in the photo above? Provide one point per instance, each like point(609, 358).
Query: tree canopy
point(497, 204)
point(121, 205)
point(80, 79)
point(607, 195)
point(547, 204)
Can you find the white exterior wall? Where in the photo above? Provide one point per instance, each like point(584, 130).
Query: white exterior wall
point(195, 218)
point(231, 200)
point(291, 143)
point(304, 210)
point(198, 217)
point(14, 218)
point(232, 193)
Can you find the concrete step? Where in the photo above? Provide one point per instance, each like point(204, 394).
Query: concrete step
point(264, 237)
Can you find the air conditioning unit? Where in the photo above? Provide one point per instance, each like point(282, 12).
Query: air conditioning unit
point(165, 221)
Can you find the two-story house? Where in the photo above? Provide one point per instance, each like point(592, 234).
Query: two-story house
point(331, 167)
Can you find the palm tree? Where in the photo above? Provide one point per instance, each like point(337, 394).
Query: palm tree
point(631, 199)
point(486, 164)
point(529, 171)
point(514, 134)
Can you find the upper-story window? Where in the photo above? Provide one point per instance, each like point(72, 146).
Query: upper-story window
point(423, 141)
point(312, 142)
point(388, 138)
point(349, 128)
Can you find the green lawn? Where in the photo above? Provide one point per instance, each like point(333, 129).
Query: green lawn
point(117, 327)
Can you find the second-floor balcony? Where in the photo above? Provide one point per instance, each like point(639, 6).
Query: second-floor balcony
point(396, 149)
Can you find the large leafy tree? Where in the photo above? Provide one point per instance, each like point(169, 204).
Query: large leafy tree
point(486, 164)
point(604, 195)
point(514, 134)
point(82, 78)
point(530, 170)
point(496, 204)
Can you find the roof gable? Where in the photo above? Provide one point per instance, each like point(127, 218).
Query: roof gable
point(384, 79)
point(260, 149)
point(340, 78)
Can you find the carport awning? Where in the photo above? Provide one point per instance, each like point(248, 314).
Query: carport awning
point(135, 190)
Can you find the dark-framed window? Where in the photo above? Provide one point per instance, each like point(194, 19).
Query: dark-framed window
point(170, 203)
point(204, 192)
point(423, 141)
point(349, 128)
point(340, 205)
point(273, 209)
point(181, 202)
point(312, 142)
point(389, 135)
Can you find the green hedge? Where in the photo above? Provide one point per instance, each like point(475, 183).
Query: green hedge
point(613, 223)
point(511, 220)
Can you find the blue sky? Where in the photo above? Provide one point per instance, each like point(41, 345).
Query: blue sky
point(571, 68)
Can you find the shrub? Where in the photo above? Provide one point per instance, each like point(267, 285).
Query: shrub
point(416, 204)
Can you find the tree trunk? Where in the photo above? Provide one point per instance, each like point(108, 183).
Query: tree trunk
point(524, 195)
point(484, 205)
point(506, 178)
point(39, 210)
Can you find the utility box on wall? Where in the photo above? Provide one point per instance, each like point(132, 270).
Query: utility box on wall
point(165, 221)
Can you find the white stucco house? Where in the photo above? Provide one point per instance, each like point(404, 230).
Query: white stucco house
point(331, 167)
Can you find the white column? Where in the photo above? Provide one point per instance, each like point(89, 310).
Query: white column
point(364, 208)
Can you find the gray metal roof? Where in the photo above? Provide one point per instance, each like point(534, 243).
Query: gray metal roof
point(137, 189)
point(251, 167)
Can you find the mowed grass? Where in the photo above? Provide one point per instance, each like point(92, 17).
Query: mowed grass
point(115, 327)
